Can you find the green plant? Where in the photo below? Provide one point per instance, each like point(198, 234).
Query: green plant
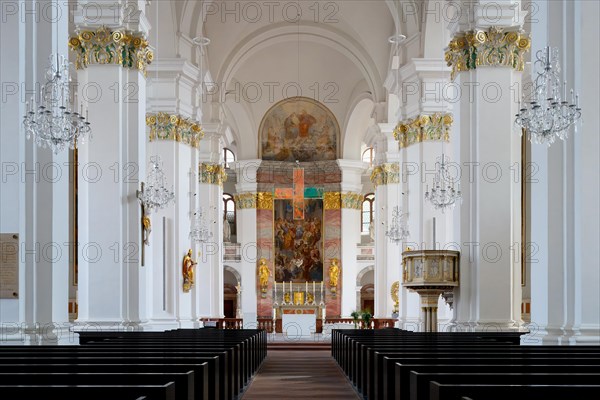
point(355, 316)
point(366, 317)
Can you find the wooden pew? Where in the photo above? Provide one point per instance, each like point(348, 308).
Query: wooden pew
point(439, 391)
point(420, 382)
point(89, 392)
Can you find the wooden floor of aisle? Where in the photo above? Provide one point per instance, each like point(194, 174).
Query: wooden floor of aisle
point(306, 374)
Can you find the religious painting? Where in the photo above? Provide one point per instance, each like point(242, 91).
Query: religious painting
point(298, 242)
point(299, 129)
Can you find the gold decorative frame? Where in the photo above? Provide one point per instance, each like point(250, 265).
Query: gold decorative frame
point(174, 127)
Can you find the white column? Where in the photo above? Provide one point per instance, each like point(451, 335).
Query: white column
point(490, 291)
point(112, 283)
point(35, 181)
point(209, 271)
point(388, 256)
point(351, 187)
point(564, 191)
point(246, 188)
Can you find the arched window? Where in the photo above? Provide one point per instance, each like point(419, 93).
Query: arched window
point(368, 155)
point(228, 157)
point(229, 211)
point(366, 215)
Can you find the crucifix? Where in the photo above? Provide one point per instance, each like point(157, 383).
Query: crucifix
point(295, 193)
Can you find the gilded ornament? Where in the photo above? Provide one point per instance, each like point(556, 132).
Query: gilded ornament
point(264, 200)
point(263, 275)
point(385, 174)
point(395, 295)
point(423, 128)
point(332, 201)
point(104, 46)
point(174, 127)
point(244, 201)
point(213, 174)
point(493, 47)
point(352, 200)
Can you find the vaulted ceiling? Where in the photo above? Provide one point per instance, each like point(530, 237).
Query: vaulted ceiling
point(336, 52)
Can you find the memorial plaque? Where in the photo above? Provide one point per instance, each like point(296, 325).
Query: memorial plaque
point(9, 266)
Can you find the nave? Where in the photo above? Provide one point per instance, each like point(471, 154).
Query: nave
point(300, 374)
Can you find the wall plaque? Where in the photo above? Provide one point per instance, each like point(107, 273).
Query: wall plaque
point(9, 266)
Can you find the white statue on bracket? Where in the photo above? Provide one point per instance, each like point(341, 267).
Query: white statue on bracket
point(226, 230)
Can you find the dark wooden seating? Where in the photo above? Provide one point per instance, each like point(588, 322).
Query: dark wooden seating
point(396, 364)
point(182, 364)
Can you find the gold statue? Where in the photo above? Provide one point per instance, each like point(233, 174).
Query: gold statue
point(263, 274)
point(188, 271)
point(146, 224)
point(286, 297)
point(310, 298)
point(334, 273)
point(394, 292)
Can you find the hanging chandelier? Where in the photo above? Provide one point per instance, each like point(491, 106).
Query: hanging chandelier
point(54, 123)
point(398, 229)
point(154, 193)
point(199, 231)
point(444, 193)
point(547, 115)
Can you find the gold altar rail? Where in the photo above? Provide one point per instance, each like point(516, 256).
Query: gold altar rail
point(267, 323)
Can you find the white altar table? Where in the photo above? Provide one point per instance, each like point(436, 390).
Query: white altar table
point(297, 326)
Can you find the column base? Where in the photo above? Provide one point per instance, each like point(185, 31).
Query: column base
point(50, 334)
point(563, 337)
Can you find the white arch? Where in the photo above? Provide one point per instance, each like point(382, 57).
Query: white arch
point(357, 125)
point(362, 273)
point(325, 35)
point(234, 271)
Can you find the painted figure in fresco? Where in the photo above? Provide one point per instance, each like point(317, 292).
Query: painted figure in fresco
point(305, 121)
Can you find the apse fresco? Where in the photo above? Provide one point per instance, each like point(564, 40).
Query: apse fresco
point(298, 242)
point(299, 129)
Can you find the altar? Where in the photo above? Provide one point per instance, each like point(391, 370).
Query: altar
point(298, 320)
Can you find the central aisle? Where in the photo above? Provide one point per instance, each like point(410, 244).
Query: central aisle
point(299, 375)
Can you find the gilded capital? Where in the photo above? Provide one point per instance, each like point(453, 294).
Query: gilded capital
point(107, 46)
point(352, 200)
point(493, 47)
point(424, 128)
point(264, 201)
point(385, 174)
point(213, 174)
point(174, 127)
point(244, 201)
point(332, 200)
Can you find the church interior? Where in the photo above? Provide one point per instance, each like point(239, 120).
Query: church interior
point(318, 187)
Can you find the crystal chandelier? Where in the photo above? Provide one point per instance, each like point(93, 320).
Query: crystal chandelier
point(54, 124)
point(398, 229)
point(547, 116)
point(154, 194)
point(443, 193)
point(199, 231)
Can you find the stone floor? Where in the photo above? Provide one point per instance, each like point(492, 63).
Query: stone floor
point(293, 374)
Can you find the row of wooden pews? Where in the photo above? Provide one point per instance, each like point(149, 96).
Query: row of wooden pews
point(174, 365)
point(396, 364)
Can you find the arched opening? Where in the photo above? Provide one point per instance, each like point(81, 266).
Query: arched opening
point(365, 289)
point(231, 280)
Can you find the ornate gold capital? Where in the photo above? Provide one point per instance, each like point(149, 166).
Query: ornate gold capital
point(165, 126)
point(213, 174)
point(423, 128)
point(494, 47)
point(105, 46)
point(332, 200)
point(352, 200)
point(264, 200)
point(385, 174)
point(244, 201)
